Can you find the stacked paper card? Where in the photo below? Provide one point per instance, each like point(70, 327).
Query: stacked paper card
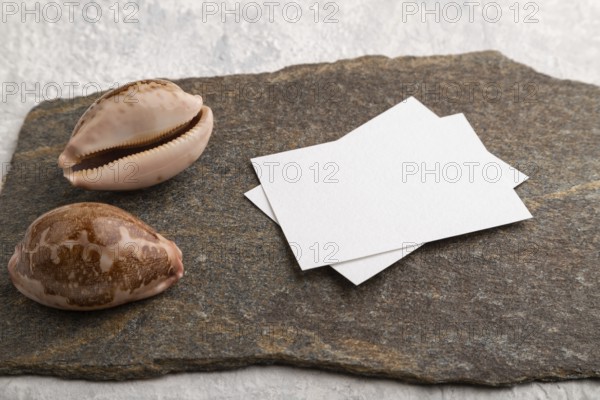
point(402, 179)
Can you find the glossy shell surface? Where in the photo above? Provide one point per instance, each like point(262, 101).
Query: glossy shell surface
point(89, 256)
point(137, 136)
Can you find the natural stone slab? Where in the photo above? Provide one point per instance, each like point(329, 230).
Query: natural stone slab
point(497, 307)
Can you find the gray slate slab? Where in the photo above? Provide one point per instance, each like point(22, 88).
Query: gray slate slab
point(508, 305)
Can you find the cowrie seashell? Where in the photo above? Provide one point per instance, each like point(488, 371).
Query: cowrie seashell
point(89, 256)
point(136, 136)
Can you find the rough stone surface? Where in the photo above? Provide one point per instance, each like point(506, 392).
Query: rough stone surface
point(503, 306)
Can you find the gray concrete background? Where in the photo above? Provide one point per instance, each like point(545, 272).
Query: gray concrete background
point(65, 50)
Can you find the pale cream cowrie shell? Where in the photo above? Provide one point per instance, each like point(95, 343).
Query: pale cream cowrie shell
point(136, 136)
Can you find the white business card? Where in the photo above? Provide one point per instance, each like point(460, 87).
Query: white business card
point(362, 269)
point(400, 179)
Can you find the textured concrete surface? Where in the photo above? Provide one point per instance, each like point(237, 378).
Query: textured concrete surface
point(170, 39)
point(495, 308)
point(274, 382)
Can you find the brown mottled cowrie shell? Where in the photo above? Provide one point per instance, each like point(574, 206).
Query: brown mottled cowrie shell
point(90, 256)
